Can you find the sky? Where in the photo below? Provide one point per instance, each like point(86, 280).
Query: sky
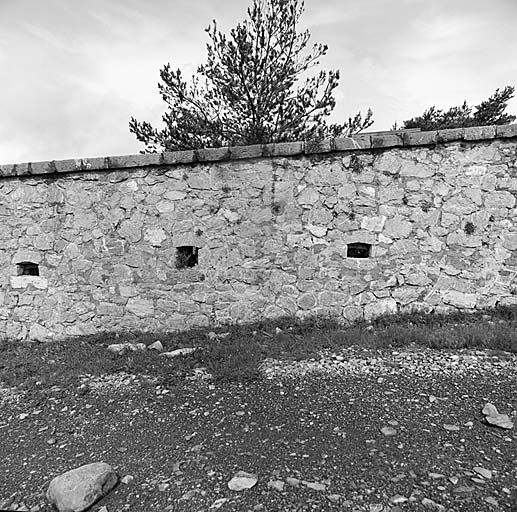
point(73, 72)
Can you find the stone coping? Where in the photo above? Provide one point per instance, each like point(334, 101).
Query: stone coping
point(364, 141)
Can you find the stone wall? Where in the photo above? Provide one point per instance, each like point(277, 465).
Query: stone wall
point(270, 227)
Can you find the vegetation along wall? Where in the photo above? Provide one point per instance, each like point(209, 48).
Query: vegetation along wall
point(351, 227)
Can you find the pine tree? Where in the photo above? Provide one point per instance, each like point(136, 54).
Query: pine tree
point(488, 112)
point(258, 85)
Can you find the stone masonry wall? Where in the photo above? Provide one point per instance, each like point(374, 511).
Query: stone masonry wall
point(272, 224)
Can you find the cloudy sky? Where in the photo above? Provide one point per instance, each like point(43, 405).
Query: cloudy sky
point(72, 72)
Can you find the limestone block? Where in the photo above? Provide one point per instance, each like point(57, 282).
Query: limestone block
point(381, 294)
point(317, 231)
point(347, 190)
point(368, 191)
point(365, 176)
point(500, 199)
point(363, 205)
point(390, 194)
point(109, 309)
point(331, 299)
point(418, 279)
point(39, 333)
point(353, 313)
point(324, 176)
point(417, 169)
point(55, 195)
point(140, 307)
point(321, 216)
point(507, 183)
point(489, 182)
point(373, 223)
point(459, 299)
point(197, 320)
point(510, 241)
point(26, 255)
point(431, 244)
point(476, 170)
point(131, 230)
point(397, 227)
point(307, 301)
point(474, 194)
point(84, 220)
point(383, 239)
point(388, 162)
point(403, 247)
point(165, 206)
point(122, 273)
point(449, 219)
point(175, 195)
point(199, 181)
point(406, 294)
point(155, 236)
point(186, 307)
point(43, 242)
point(380, 307)
point(459, 205)
point(464, 240)
point(174, 322)
point(41, 283)
point(308, 196)
point(288, 304)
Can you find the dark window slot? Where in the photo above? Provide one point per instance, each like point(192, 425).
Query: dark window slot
point(186, 256)
point(27, 268)
point(358, 250)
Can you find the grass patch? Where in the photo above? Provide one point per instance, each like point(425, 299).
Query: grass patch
point(233, 353)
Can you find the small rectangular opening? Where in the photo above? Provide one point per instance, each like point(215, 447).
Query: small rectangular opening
point(358, 250)
point(186, 256)
point(26, 268)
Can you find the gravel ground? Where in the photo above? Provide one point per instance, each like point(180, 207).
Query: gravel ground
point(359, 430)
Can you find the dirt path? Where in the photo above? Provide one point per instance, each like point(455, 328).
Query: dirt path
point(312, 431)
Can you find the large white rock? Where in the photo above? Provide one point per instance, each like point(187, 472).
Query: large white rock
point(78, 489)
point(495, 418)
point(242, 481)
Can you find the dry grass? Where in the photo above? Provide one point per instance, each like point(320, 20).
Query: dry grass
point(236, 352)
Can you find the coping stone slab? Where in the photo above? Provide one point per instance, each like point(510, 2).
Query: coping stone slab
point(506, 130)
point(244, 152)
point(388, 140)
point(360, 141)
point(450, 135)
point(420, 138)
point(479, 133)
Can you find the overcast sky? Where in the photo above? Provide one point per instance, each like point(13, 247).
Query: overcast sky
point(73, 72)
